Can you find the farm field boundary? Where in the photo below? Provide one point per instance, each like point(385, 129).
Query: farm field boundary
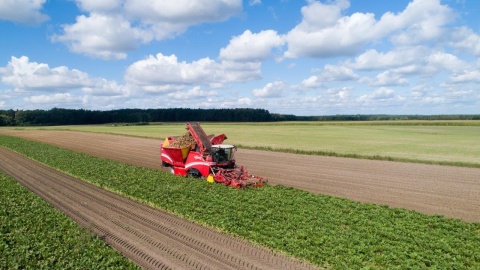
point(328, 231)
point(453, 143)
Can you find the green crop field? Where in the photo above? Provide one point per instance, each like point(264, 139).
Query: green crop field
point(438, 142)
point(34, 235)
point(331, 232)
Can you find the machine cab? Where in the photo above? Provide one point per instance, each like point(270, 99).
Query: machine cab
point(223, 154)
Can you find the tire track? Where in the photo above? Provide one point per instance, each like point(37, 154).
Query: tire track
point(151, 238)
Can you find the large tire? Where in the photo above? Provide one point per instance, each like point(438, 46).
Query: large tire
point(194, 173)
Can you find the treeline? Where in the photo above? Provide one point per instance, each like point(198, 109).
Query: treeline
point(58, 116)
point(374, 117)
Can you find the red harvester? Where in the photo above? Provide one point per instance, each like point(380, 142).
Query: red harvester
point(205, 156)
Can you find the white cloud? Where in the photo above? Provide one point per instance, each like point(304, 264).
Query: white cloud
point(323, 32)
point(421, 21)
point(465, 40)
point(251, 47)
point(374, 60)
point(56, 99)
point(466, 76)
point(102, 87)
point(254, 2)
point(381, 97)
point(194, 93)
point(311, 82)
point(103, 36)
point(444, 61)
point(162, 70)
point(241, 102)
point(99, 6)
point(182, 12)
point(389, 78)
point(330, 73)
point(113, 27)
point(26, 76)
point(23, 11)
point(275, 89)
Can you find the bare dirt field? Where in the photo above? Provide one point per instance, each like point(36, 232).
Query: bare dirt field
point(151, 238)
point(431, 189)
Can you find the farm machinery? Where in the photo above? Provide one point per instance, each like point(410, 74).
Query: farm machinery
point(197, 155)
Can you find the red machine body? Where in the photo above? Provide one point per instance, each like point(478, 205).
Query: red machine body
point(206, 156)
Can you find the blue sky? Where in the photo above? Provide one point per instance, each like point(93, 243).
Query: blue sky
point(288, 56)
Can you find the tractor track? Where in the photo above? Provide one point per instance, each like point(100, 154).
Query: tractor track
point(151, 238)
point(430, 189)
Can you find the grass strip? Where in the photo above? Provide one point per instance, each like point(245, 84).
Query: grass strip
point(34, 235)
point(328, 231)
point(360, 156)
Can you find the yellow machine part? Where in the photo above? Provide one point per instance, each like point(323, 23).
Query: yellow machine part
point(210, 179)
point(166, 142)
point(185, 151)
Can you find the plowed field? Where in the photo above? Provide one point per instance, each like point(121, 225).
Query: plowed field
point(432, 189)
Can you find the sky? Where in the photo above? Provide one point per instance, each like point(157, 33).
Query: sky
point(288, 56)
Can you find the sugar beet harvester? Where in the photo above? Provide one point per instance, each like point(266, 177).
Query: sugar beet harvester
point(197, 155)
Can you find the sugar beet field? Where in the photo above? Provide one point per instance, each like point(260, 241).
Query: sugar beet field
point(331, 212)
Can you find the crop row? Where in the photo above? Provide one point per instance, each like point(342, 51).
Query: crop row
point(34, 235)
point(328, 231)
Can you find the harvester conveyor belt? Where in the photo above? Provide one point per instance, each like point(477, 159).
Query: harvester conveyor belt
point(200, 135)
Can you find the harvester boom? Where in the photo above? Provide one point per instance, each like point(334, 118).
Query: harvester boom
point(200, 137)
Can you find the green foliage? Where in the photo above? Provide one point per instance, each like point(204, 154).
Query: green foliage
point(330, 232)
point(58, 116)
point(34, 235)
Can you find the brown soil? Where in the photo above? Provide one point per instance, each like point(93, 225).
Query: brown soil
point(149, 237)
point(431, 189)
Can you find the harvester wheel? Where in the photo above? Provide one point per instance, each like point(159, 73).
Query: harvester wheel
point(194, 173)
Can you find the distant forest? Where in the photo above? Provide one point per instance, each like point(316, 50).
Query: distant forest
point(58, 116)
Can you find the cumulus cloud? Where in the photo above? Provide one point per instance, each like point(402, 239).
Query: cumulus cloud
point(324, 32)
point(25, 76)
point(165, 70)
point(466, 77)
point(23, 11)
point(465, 40)
point(103, 36)
point(251, 47)
point(389, 78)
point(381, 95)
point(112, 28)
point(99, 6)
point(195, 93)
point(330, 73)
point(57, 99)
point(374, 60)
point(275, 89)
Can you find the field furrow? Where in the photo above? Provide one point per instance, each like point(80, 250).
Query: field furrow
point(152, 238)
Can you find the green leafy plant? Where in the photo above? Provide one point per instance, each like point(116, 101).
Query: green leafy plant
point(328, 231)
point(34, 235)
